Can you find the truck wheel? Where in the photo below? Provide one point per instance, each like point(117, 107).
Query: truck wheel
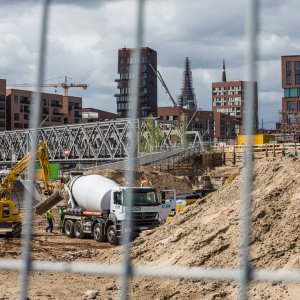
point(78, 230)
point(98, 233)
point(69, 228)
point(112, 235)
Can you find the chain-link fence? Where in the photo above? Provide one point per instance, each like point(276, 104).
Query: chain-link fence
point(244, 274)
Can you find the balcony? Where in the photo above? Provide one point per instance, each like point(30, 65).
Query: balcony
point(56, 119)
point(25, 101)
point(56, 105)
point(57, 113)
point(45, 111)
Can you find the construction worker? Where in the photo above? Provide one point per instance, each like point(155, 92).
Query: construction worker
point(50, 220)
point(61, 215)
point(144, 181)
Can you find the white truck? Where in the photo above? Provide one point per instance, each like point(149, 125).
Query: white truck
point(97, 207)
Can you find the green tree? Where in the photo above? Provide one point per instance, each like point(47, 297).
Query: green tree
point(150, 135)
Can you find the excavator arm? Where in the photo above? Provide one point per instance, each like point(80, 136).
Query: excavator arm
point(8, 182)
point(10, 218)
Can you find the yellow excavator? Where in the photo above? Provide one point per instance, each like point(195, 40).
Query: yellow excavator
point(10, 219)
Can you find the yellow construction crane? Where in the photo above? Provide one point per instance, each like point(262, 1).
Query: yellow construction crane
point(65, 85)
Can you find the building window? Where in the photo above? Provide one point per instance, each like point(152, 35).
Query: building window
point(45, 102)
point(17, 117)
point(288, 73)
point(297, 72)
point(295, 92)
point(16, 99)
point(290, 105)
point(292, 119)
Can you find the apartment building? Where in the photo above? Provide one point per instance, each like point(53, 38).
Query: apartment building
point(290, 74)
point(2, 104)
point(147, 93)
point(225, 127)
point(96, 115)
point(55, 109)
point(229, 98)
point(200, 120)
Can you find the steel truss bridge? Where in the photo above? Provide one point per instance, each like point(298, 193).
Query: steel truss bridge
point(91, 142)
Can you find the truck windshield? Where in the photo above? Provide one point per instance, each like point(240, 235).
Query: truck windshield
point(141, 197)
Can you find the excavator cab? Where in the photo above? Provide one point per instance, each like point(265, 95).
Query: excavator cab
point(9, 211)
point(10, 220)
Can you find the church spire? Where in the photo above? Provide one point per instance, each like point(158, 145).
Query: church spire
point(224, 72)
point(187, 98)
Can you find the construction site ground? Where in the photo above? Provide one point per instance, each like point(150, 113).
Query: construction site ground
point(206, 234)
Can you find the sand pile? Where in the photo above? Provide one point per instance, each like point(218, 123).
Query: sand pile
point(158, 179)
point(207, 234)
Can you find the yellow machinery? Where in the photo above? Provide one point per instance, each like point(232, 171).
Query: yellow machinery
point(182, 201)
point(10, 220)
point(257, 139)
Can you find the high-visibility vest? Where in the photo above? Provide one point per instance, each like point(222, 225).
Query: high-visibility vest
point(49, 214)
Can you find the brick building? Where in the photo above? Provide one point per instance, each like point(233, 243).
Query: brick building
point(147, 87)
point(229, 98)
point(55, 109)
point(2, 104)
point(290, 73)
point(211, 126)
point(95, 115)
point(225, 127)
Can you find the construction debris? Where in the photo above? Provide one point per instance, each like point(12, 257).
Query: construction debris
point(73, 255)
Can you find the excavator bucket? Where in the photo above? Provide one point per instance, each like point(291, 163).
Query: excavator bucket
point(48, 203)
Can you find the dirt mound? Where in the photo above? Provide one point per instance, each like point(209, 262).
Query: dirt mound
point(207, 235)
point(159, 180)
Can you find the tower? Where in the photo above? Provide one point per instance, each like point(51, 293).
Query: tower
point(148, 83)
point(187, 98)
point(223, 72)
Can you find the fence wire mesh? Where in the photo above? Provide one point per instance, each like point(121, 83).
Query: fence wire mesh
point(244, 275)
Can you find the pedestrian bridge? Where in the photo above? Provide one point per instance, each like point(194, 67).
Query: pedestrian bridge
point(91, 142)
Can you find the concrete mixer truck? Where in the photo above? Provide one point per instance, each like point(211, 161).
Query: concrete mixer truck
point(97, 207)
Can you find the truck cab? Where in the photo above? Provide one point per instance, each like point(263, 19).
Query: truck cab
point(144, 208)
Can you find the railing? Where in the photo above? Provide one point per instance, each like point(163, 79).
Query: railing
point(235, 153)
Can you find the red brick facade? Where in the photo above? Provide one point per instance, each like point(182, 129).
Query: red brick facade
point(211, 125)
point(95, 115)
point(2, 104)
point(55, 109)
point(290, 74)
point(148, 83)
point(229, 97)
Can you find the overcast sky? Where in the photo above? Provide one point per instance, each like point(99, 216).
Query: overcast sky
point(84, 38)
